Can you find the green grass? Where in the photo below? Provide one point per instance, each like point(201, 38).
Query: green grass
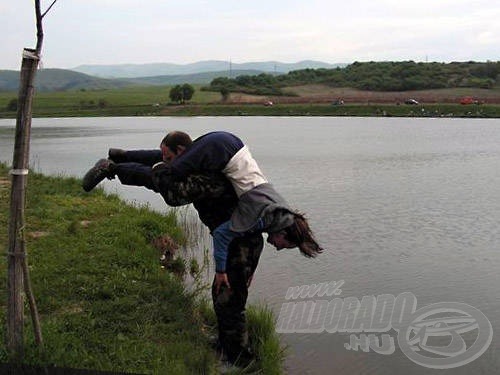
point(128, 101)
point(105, 302)
point(264, 341)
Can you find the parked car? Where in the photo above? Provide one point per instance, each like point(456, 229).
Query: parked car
point(268, 103)
point(338, 102)
point(469, 100)
point(411, 102)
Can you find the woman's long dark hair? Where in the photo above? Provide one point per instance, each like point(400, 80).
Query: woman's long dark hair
point(300, 234)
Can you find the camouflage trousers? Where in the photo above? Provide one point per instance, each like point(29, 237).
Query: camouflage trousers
point(229, 304)
point(144, 168)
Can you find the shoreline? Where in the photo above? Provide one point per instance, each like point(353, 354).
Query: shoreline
point(288, 110)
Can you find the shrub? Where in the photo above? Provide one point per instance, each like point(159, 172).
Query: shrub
point(12, 105)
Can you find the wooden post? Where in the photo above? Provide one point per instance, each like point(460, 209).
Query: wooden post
point(19, 172)
point(18, 277)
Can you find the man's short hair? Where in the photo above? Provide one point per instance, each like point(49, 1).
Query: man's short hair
point(175, 139)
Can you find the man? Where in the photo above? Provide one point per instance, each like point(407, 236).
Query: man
point(215, 200)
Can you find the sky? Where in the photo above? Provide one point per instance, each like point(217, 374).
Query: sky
point(152, 31)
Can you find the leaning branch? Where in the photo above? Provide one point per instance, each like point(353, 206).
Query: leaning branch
point(47, 11)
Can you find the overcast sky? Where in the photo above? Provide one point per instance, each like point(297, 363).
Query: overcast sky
point(184, 31)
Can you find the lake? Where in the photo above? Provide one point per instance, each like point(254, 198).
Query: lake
point(400, 206)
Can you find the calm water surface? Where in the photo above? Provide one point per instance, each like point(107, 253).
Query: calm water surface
point(400, 205)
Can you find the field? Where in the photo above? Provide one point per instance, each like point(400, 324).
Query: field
point(302, 101)
point(325, 94)
point(136, 100)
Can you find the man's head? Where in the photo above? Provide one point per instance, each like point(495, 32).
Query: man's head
point(174, 144)
point(296, 235)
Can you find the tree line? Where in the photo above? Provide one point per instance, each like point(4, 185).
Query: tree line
point(374, 76)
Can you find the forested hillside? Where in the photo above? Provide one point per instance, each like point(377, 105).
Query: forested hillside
point(374, 76)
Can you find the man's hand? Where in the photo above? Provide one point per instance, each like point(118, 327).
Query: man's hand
point(221, 279)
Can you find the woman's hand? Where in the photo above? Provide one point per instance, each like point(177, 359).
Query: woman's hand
point(221, 279)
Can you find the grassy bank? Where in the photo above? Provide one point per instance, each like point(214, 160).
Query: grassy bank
point(105, 302)
point(362, 110)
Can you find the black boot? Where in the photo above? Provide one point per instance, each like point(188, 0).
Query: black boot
point(243, 358)
point(104, 168)
point(117, 155)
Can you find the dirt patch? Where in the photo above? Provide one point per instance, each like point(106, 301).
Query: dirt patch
point(240, 98)
point(309, 94)
point(37, 234)
point(71, 309)
point(166, 247)
point(85, 223)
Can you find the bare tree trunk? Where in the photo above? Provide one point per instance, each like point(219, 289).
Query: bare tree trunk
point(17, 247)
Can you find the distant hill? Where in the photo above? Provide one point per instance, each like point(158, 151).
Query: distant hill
point(162, 69)
point(194, 78)
point(9, 80)
point(373, 76)
point(59, 80)
point(95, 77)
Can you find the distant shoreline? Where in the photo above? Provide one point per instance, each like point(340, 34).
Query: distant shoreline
point(351, 110)
point(288, 110)
point(308, 100)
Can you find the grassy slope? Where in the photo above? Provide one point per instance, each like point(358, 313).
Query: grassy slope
point(105, 303)
point(128, 101)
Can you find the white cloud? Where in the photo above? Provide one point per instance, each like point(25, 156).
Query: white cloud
point(127, 31)
point(487, 37)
